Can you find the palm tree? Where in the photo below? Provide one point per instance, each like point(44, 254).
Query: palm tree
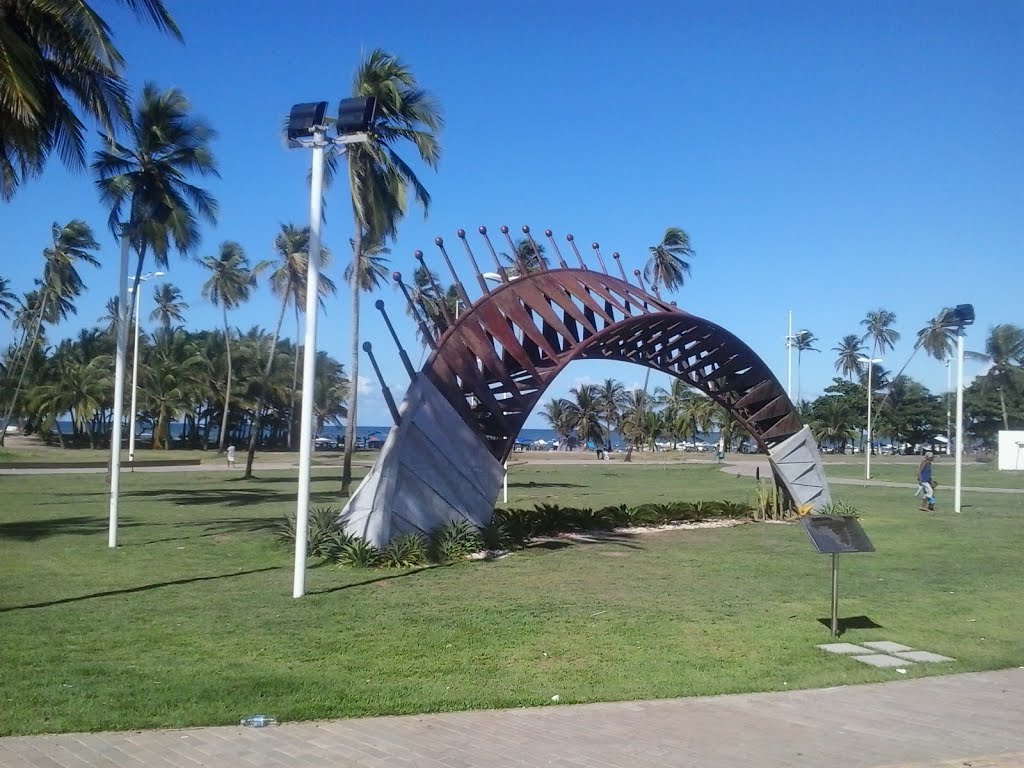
point(631, 423)
point(61, 284)
point(803, 341)
point(147, 177)
point(228, 286)
point(379, 179)
point(330, 391)
point(611, 397)
point(584, 413)
point(54, 56)
point(937, 339)
point(1004, 352)
point(668, 265)
point(557, 413)
point(850, 351)
point(879, 329)
point(170, 379)
point(288, 282)
point(528, 256)
point(169, 308)
point(8, 299)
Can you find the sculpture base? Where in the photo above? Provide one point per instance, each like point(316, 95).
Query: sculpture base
point(798, 467)
point(432, 469)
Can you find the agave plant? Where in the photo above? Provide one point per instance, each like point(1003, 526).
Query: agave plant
point(453, 541)
point(495, 536)
point(358, 553)
point(406, 551)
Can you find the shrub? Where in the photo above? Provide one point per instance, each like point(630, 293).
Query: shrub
point(549, 519)
point(358, 553)
point(453, 541)
point(589, 520)
point(322, 534)
point(495, 536)
point(768, 500)
point(637, 517)
point(517, 523)
point(841, 508)
point(734, 509)
point(405, 551)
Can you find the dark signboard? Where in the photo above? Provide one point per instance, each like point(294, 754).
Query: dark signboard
point(836, 534)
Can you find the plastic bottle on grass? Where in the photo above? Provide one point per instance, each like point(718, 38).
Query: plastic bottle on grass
point(258, 721)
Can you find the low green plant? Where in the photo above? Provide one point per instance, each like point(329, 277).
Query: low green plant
point(495, 536)
point(453, 541)
point(358, 553)
point(516, 523)
point(637, 517)
point(734, 510)
point(587, 519)
point(840, 508)
point(662, 513)
point(767, 500)
point(405, 551)
point(699, 511)
point(323, 534)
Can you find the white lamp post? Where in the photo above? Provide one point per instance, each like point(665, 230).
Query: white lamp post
point(870, 362)
point(122, 349)
point(136, 300)
point(789, 357)
point(307, 127)
point(959, 317)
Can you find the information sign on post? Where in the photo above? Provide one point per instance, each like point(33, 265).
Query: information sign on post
point(835, 535)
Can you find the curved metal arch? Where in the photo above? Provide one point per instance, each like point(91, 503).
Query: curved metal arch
point(495, 362)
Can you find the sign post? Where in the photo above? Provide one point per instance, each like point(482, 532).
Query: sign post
point(835, 535)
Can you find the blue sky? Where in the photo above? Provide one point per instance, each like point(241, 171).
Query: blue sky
point(828, 158)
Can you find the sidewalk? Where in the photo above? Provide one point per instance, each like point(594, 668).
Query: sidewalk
point(939, 722)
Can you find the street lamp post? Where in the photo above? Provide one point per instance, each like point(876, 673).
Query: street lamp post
point(959, 317)
point(867, 463)
point(789, 357)
point(136, 300)
point(307, 127)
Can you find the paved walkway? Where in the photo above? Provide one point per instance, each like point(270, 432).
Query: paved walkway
point(948, 721)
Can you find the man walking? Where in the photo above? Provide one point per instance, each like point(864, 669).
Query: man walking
point(924, 481)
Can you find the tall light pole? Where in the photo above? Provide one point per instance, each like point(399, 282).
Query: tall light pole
point(870, 362)
point(121, 353)
point(959, 317)
point(949, 411)
point(136, 300)
point(789, 357)
point(307, 127)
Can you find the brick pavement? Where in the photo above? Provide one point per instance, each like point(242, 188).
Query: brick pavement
point(956, 721)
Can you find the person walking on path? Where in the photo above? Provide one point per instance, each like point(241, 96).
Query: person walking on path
point(925, 485)
point(230, 453)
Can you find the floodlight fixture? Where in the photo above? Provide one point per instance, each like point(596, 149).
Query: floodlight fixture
point(355, 115)
point(304, 118)
point(959, 316)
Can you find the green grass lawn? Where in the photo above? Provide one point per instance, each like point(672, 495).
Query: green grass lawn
point(981, 475)
point(191, 621)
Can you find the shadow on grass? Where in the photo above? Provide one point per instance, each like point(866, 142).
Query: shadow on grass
point(235, 497)
point(220, 527)
point(33, 530)
point(132, 590)
point(584, 539)
point(850, 622)
point(378, 579)
point(532, 484)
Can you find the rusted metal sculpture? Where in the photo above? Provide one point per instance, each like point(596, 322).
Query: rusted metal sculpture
point(490, 367)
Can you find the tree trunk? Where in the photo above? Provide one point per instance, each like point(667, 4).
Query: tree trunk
point(254, 435)
point(1002, 405)
point(227, 389)
point(350, 427)
point(292, 421)
point(60, 435)
point(24, 367)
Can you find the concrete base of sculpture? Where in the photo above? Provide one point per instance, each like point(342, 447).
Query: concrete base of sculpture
point(797, 465)
point(432, 469)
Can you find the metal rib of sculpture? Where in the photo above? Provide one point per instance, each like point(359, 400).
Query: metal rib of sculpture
point(490, 366)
